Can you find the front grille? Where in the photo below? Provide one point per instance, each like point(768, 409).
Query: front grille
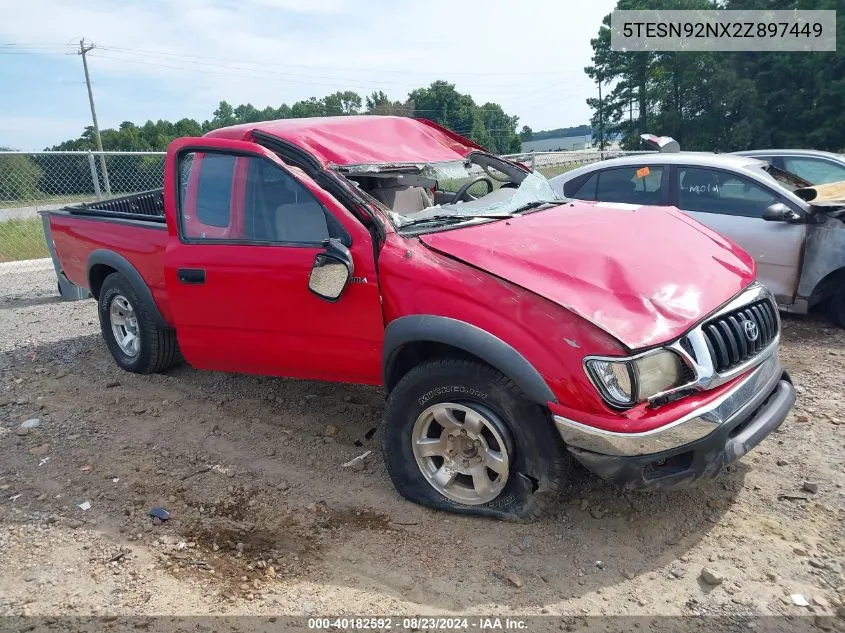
point(729, 339)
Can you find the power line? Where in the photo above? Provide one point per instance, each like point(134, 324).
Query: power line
point(19, 45)
point(404, 71)
point(285, 78)
point(263, 63)
point(264, 71)
point(231, 70)
point(240, 70)
point(153, 58)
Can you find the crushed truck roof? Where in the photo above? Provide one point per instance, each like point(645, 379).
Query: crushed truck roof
point(361, 140)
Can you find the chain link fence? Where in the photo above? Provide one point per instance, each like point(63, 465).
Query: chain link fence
point(552, 164)
point(34, 181)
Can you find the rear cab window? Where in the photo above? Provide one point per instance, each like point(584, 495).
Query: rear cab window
point(214, 191)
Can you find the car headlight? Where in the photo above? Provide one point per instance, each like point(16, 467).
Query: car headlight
point(625, 382)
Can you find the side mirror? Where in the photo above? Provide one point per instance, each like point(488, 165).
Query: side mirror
point(779, 212)
point(331, 271)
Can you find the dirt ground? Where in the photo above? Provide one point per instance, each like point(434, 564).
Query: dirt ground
point(266, 520)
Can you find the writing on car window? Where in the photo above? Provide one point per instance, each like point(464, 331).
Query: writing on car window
point(713, 191)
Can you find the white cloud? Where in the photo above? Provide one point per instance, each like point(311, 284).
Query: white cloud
point(529, 56)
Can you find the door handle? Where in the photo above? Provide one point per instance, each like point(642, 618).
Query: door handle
point(191, 275)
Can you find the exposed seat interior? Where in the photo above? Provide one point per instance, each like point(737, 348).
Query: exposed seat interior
point(282, 210)
point(403, 199)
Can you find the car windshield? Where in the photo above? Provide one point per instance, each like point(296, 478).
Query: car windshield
point(480, 188)
point(786, 179)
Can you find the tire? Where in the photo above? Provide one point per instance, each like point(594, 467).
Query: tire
point(469, 391)
point(837, 308)
point(153, 348)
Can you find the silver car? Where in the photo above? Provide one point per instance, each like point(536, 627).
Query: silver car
point(815, 166)
point(799, 247)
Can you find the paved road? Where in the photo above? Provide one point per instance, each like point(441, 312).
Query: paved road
point(20, 213)
point(26, 266)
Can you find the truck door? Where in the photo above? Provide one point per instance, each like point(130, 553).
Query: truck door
point(245, 231)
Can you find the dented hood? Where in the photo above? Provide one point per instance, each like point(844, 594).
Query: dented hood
point(643, 274)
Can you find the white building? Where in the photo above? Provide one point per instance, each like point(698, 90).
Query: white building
point(566, 144)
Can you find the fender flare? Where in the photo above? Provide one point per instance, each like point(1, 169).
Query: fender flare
point(131, 274)
point(469, 338)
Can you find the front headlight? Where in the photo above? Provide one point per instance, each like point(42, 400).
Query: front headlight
point(657, 373)
point(623, 383)
point(615, 380)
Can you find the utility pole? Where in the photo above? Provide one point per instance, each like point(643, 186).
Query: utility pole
point(601, 118)
point(82, 50)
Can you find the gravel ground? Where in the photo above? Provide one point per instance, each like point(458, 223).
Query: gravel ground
point(266, 520)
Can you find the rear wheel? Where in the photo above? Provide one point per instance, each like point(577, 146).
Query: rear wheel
point(130, 332)
point(460, 436)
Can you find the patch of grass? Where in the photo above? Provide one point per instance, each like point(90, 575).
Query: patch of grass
point(22, 239)
point(45, 200)
point(557, 170)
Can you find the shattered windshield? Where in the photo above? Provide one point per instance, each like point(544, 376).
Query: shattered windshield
point(482, 188)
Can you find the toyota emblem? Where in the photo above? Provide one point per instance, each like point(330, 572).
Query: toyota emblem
point(752, 332)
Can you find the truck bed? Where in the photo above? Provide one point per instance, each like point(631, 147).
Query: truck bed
point(146, 205)
point(132, 226)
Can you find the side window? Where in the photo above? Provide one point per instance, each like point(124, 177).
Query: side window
point(636, 184)
point(586, 190)
point(249, 199)
point(818, 172)
point(713, 191)
point(279, 208)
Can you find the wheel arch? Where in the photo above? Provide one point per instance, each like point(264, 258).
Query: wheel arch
point(102, 263)
point(828, 286)
point(412, 339)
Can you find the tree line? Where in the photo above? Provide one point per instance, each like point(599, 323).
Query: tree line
point(487, 124)
point(721, 101)
point(41, 176)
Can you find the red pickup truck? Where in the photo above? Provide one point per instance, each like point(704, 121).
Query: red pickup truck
point(512, 330)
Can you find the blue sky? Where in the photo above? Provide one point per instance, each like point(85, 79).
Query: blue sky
point(169, 60)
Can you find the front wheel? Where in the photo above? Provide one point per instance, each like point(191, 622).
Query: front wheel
point(460, 436)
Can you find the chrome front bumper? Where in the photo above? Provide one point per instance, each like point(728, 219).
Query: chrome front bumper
point(739, 402)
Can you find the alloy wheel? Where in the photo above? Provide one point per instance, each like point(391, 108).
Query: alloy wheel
point(124, 326)
point(462, 452)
